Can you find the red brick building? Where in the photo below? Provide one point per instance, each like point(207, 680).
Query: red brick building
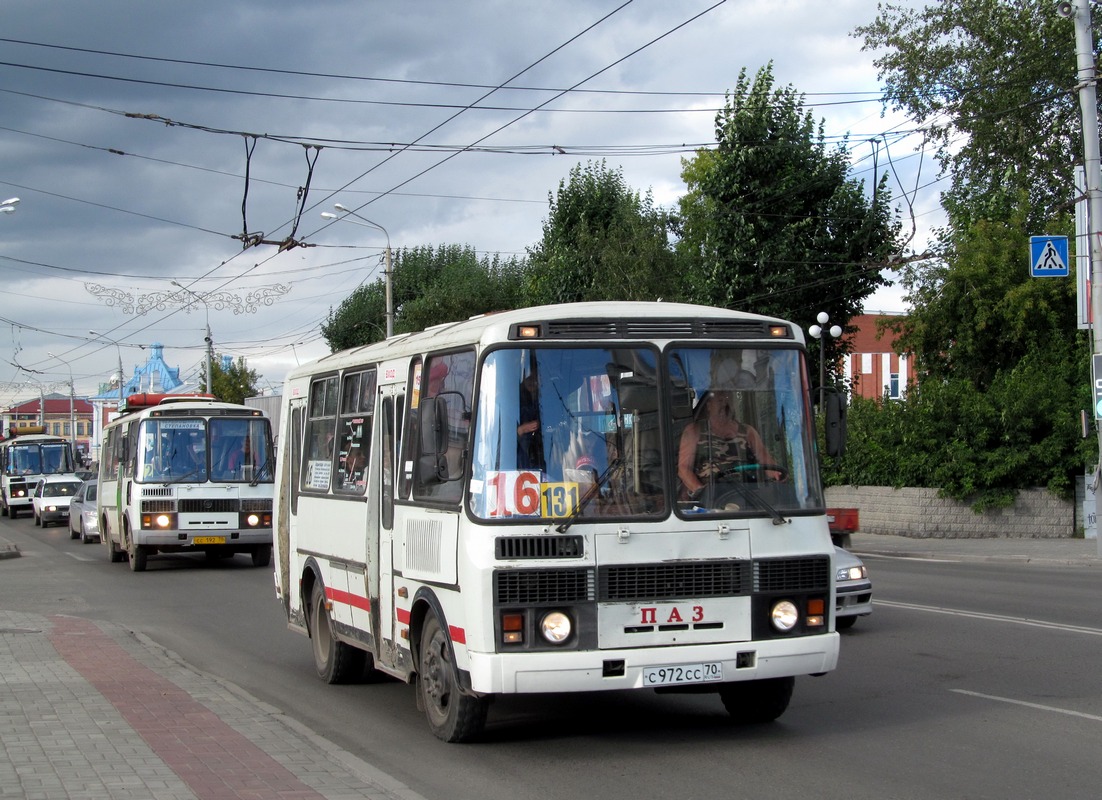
point(872, 367)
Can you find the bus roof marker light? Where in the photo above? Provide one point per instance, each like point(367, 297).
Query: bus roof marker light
point(528, 332)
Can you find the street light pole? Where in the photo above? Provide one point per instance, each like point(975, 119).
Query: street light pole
point(72, 399)
point(118, 351)
point(388, 275)
point(820, 332)
point(209, 340)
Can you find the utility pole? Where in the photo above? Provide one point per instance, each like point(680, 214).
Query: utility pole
point(1088, 107)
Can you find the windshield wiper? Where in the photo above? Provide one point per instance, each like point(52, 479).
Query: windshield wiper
point(760, 502)
point(593, 490)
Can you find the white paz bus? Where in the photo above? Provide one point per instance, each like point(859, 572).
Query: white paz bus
point(568, 498)
point(186, 473)
point(29, 455)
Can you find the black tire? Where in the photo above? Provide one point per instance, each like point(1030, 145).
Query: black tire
point(262, 555)
point(335, 661)
point(3, 509)
point(13, 512)
point(844, 623)
point(74, 534)
point(757, 701)
point(114, 553)
point(452, 715)
point(139, 554)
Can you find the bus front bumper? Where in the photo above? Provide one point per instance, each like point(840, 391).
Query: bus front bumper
point(522, 673)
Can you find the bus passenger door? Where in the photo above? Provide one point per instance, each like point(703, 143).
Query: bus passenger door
point(381, 578)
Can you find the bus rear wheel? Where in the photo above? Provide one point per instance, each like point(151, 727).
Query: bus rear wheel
point(452, 715)
point(757, 701)
point(335, 661)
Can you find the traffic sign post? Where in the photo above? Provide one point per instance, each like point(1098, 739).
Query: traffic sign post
point(1048, 257)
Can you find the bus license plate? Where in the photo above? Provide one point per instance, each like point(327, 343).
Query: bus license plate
point(683, 673)
point(209, 540)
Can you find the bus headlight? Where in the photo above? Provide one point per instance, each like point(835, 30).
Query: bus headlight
point(555, 627)
point(164, 521)
point(784, 615)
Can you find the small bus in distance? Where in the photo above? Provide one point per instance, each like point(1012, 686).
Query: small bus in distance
point(185, 473)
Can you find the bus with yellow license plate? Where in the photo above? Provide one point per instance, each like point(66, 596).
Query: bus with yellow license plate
point(186, 473)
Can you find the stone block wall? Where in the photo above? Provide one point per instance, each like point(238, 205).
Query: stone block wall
point(921, 514)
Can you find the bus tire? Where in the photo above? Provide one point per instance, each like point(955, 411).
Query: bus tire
point(453, 716)
point(13, 512)
point(757, 701)
point(335, 661)
point(114, 553)
point(138, 555)
point(262, 555)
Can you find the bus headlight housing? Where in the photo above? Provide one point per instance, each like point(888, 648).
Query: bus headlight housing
point(254, 519)
point(556, 627)
point(784, 615)
point(162, 521)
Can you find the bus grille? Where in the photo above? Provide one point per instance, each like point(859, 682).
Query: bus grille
point(217, 505)
point(517, 587)
point(158, 506)
point(538, 547)
point(654, 582)
point(792, 574)
point(256, 504)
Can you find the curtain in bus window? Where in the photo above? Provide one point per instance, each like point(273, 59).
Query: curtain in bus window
point(354, 432)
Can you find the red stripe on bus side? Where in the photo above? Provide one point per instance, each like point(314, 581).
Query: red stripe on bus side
point(459, 635)
point(349, 599)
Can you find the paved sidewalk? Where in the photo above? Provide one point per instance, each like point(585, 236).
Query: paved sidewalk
point(1050, 552)
point(70, 728)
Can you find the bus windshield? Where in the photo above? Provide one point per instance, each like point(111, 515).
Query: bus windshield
point(195, 449)
point(52, 458)
point(606, 432)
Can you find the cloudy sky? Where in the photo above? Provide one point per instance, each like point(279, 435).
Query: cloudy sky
point(127, 130)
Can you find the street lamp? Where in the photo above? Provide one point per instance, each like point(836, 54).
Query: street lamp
point(387, 275)
point(210, 341)
point(820, 332)
point(8, 206)
point(72, 411)
point(118, 350)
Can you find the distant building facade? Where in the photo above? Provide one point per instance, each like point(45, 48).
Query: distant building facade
point(872, 367)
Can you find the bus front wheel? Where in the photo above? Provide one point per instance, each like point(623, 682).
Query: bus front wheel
point(757, 701)
point(334, 660)
point(453, 715)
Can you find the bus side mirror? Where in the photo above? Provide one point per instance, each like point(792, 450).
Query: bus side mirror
point(835, 423)
point(432, 466)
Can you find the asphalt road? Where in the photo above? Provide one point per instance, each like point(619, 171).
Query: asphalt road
point(969, 680)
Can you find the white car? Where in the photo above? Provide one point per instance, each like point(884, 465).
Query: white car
point(852, 587)
point(83, 522)
point(51, 498)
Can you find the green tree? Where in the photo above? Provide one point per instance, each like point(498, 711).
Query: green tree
point(601, 241)
point(231, 384)
point(772, 222)
point(992, 83)
point(430, 286)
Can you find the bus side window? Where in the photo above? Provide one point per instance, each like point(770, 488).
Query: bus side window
point(386, 461)
point(451, 385)
point(321, 428)
point(357, 410)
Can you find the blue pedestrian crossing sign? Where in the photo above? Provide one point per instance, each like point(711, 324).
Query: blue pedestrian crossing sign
point(1048, 256)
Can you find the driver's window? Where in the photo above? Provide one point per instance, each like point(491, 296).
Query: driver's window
point(449, 377)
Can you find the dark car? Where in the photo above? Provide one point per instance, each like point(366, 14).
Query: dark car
point(83, 520)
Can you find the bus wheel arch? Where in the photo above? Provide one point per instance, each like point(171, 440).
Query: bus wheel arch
point(454, 713)
point(335, 661)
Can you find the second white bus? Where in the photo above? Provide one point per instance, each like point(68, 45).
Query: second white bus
point(185, 473)
point(505, 505)
point(24, 459)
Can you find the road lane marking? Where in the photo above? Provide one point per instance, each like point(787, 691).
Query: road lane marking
point(1038, 706)
point(956, 612)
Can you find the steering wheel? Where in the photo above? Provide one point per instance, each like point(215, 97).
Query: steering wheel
point(763, 467)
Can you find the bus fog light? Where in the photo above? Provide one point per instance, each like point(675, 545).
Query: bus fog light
point(555, 627)
point(784, 615)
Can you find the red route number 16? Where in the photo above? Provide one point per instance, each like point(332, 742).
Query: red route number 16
point(513, 493)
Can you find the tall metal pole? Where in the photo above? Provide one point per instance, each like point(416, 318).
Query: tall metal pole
point(1088, 108)
point(388, 276)
point(209, 340)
